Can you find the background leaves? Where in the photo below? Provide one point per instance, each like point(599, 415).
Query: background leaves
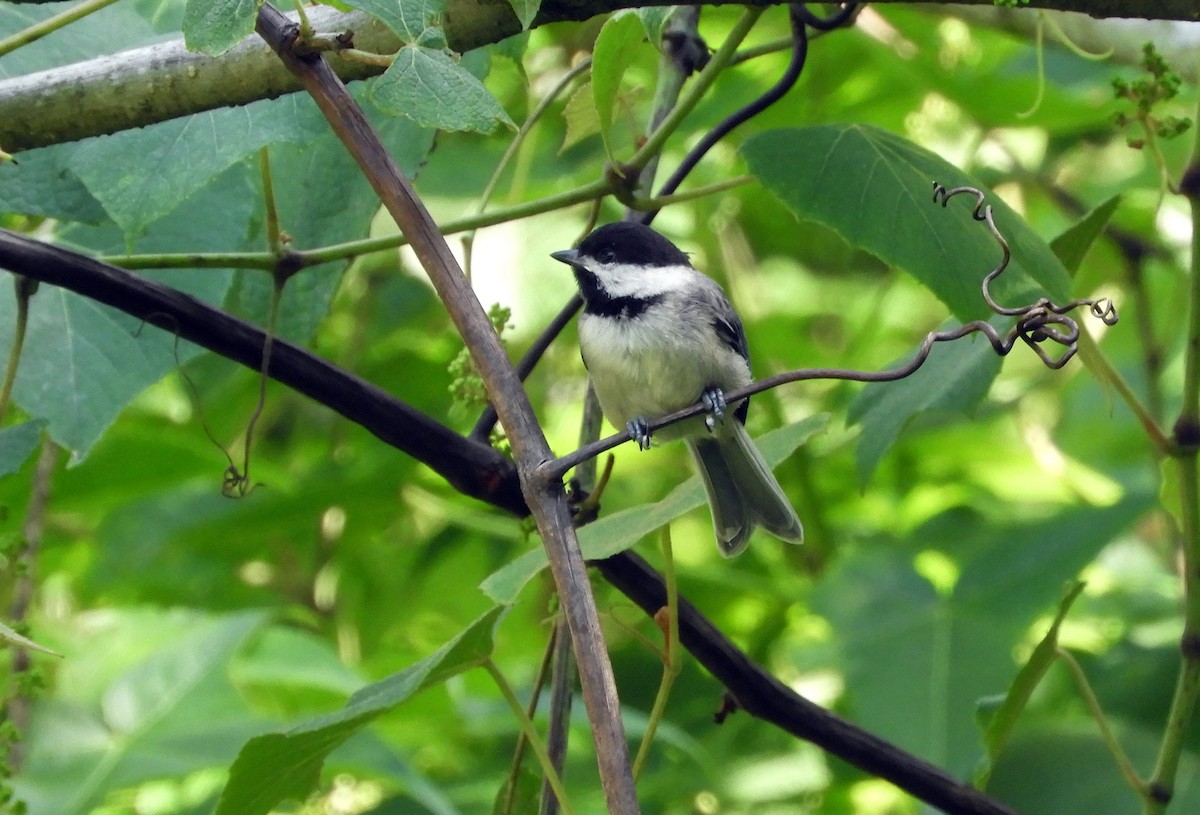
point(193, 626)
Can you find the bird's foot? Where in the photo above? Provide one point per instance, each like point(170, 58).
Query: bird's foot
point(639, 431)
point(713, 399)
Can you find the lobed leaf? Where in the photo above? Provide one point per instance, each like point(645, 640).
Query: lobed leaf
point(433, 90)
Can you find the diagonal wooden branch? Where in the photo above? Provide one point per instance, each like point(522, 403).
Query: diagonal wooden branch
point(545, 497)
point(494, 481)
point(122, 91)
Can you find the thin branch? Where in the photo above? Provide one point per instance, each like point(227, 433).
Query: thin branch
point(545, 497)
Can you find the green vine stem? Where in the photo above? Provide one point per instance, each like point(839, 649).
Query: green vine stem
point(1187, 437)
point(50, 25)
point(1103, 370)
point(24, 288)
point(1106, 732)
point(696, 91)
point(305, 258)
point(532, 737)
point(672, 658)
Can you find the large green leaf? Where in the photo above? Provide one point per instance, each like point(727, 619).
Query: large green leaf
point(171, 714)
point(955, 378)
point(619, 39)
point(875, 190)
point(945, 646)
point(42, 184)
point(107, 31)
point(141, 175)
point(433, 90)
point(621, 530)
point(215, 26)
point(83, 362)
point(279, 766)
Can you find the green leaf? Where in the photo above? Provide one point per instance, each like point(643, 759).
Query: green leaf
point(615, 46)
point(433, 90)
point(1072, 246)
point(141, 175)
point(621, 530)
point(278, 766)
point(526, 10)
point(945, 646)
point(43, 185)
point(654, 20)
point(83, 362)
point(215, 26)
point(17, 443)
point(955, 378)
point(410, 20)
point(874, 189)
point(1003, 720)
point(171, 714)
point(580, 115)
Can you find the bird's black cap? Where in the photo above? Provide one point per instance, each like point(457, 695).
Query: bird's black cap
point(625, 242)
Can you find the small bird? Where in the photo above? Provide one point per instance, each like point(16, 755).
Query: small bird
point(656, 336)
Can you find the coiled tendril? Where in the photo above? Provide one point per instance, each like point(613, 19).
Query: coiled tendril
point(1041, 320)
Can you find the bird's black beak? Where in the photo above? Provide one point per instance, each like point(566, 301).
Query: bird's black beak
point(567, 256)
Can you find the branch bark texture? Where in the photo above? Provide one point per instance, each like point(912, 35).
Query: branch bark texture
point(160, 82)
point(546, 499)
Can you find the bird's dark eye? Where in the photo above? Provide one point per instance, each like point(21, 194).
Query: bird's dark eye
point(606, 256)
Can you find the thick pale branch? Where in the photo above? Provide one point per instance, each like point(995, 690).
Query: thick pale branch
point(147, 85)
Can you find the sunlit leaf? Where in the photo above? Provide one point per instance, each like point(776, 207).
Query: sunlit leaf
point(1002, 721)
point(13, 639)
point(875, 190)
point(170, 714)
point(1073, 245)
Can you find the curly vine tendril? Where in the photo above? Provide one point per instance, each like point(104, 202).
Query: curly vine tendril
point(1037, 322)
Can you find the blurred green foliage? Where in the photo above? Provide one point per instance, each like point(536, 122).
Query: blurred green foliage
point(191, 623)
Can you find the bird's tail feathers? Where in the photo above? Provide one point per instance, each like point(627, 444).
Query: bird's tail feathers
point(741, 489)
point(731, 519)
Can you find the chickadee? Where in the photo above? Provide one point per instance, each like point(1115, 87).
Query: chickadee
point(656, 336)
